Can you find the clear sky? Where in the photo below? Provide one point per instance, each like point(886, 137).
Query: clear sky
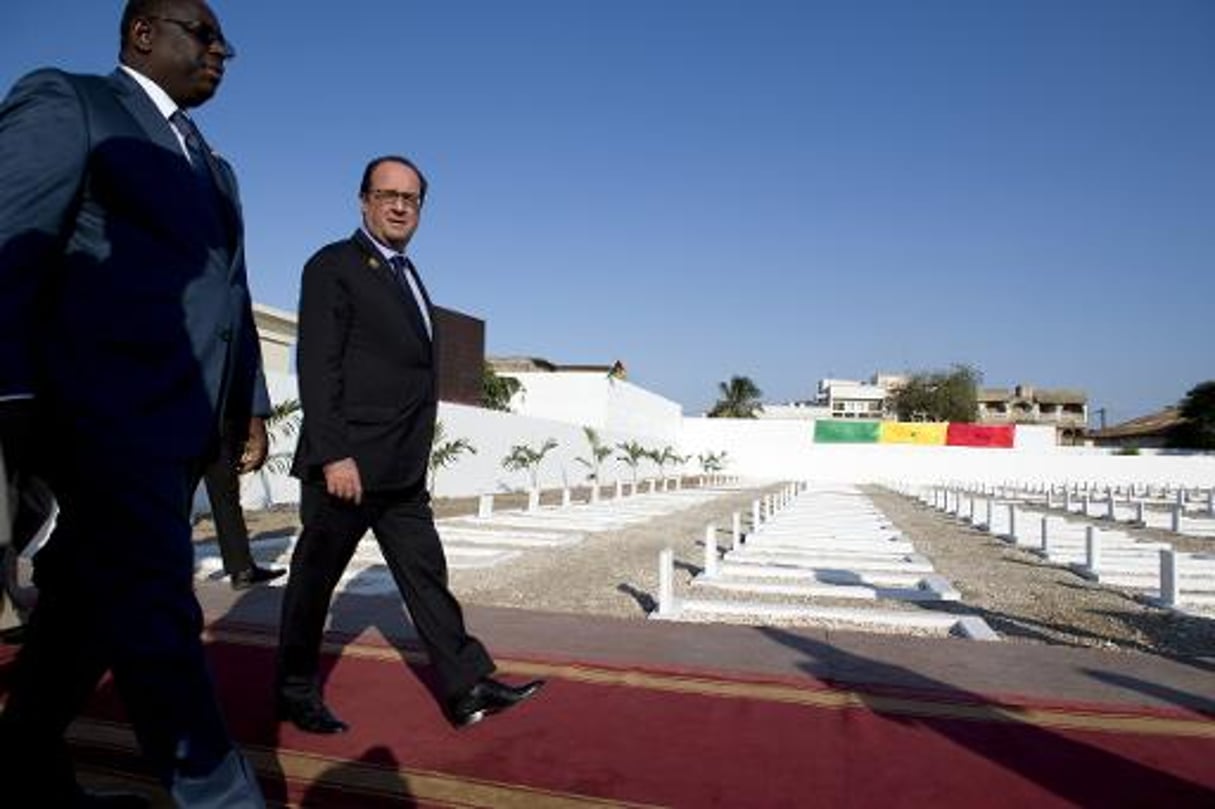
point(708, 188)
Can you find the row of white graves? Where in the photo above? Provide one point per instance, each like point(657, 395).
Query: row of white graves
point(1090, 544)
point(1182, 510)
point(496, 537)
point(817, 555)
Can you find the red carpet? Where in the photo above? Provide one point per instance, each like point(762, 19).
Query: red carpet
point(601, 736)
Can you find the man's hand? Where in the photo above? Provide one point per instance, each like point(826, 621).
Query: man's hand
point(342, 480)
point(257, 445)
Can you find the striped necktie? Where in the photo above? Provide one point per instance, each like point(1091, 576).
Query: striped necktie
point(196, 147)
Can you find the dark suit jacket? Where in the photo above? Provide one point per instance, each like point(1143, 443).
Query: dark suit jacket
point(123, 300)
point(366, 369)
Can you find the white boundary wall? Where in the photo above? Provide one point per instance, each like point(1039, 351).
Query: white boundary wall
point(758, 449)
point(596, 400)
point(786, 450)
point(611, 408)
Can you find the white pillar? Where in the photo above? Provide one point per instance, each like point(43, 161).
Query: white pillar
point(1168, 577)
point(565, 497)
point(1092, 549)
point(755, 516)
point(533, 500)
point(595, 490)
point(710, 551)
point(619, 488)
point(736, 530)
point(666, 582)
point(485, 506)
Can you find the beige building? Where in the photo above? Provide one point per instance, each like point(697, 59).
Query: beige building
point(276, 330)
point(1065, 408)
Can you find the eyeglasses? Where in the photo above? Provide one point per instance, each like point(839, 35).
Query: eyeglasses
point(386, 197)
point(206, 35)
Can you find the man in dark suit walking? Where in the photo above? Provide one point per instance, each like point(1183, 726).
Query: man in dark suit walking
point(126, 340)
point(368, 389)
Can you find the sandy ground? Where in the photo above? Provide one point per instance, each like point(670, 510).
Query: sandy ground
point(1021, 597)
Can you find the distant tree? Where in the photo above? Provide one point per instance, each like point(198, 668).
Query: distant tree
point(599, 453)
point(938, 396)
point(528, 458)
point(739, 399)
point(444, 453)
point(1197, 427)
point(497, 391)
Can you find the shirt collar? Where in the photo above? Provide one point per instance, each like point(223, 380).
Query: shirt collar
point(160, 98)
point(387, 252)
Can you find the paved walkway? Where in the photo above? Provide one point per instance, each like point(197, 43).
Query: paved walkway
point(1008, 670)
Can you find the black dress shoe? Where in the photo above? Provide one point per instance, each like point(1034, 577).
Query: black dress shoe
point(310, 715)
point(485, 698)
point(244, 579)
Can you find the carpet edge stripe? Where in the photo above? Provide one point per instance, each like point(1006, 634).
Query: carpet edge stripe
point(1060, 718)
point(307, 768)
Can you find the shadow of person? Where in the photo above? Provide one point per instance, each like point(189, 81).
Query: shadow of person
point(1003, 733)
point(369, 604)
point(1200, 703)
point(373, 779)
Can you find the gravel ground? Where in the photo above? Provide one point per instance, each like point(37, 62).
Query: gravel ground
point(1021, 597)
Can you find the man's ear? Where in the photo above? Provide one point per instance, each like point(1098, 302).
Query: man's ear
point(141, 35)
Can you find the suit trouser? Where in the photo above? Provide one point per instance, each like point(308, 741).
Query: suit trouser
point(223, 490)
point(404, 526)
point(115, 587)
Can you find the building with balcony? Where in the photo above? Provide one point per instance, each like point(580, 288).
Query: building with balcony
point(1064, 408)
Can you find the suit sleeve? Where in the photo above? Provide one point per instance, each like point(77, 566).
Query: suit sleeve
point(324, 319)
point(254, 396)
point(43, 155)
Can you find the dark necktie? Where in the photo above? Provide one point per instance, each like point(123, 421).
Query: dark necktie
point(196, 147)
point(400, 270)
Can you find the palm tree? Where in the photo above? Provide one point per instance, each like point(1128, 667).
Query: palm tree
point(631, 454)
point(739, 399)
point(711, 462)
point(444, 452)
point(524, 457)
point(599, 452)
point(282, 423)
point(664, 456)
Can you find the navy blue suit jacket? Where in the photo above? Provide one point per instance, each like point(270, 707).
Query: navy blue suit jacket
point(124, 307)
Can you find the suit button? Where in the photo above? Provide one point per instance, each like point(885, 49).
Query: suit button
point(226, 335)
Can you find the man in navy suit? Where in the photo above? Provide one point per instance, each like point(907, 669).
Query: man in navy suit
point(369, 395)
point(126, 340)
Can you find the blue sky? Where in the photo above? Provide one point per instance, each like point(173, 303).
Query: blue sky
point(782, 190)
